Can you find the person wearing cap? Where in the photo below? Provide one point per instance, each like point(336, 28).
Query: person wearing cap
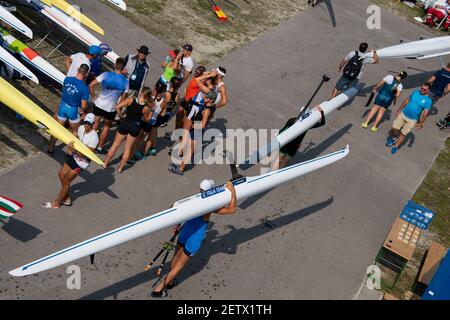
point(96, 63)
point(74, 61)
point(74, 97)
point(75, 163)
point(114, 91)
point(136, 69)
point(389, 90)
point(186, 62)
point(190, 239)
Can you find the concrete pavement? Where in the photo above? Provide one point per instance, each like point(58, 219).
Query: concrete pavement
point(328, 226)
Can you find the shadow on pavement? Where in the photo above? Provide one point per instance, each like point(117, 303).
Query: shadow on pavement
point(213, 244)
point(20, 230)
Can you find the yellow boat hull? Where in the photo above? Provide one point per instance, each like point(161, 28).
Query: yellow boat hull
point(18, 102)
point(74, 13)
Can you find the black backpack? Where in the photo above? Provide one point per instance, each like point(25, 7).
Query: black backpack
point(353, 67)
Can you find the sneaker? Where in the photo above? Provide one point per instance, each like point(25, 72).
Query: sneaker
point(364, 125)
point(152, 152)
point(139, 155)
point(394, 150)
point(390, 141)
point(176, 169)
point(161, 294)
point(374, 129)
point(101, 151)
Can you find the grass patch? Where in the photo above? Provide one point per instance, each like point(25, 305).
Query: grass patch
point(408, 13)
point(434, 193)
point(178, 21)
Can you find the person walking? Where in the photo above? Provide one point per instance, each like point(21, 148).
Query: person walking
point(413, 112)
point(389, 90)
point(352, 67)
point(190, 239)
point(75, 163)
point(288, 151)
point(440, 84)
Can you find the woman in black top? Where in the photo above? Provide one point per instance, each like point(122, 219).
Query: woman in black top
point(130, 126)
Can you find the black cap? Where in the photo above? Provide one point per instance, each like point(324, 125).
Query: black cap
point(144, 50)
point(187, 47)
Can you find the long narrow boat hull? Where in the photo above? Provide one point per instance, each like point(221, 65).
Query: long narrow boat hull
point(74, 28)
point(12, 62)
point(11, 20)
point(181, 211)
point(306, 122)
point(421, 49)
point(32, 57)
point(70, 10)
point(18, 102)
point(119, 3)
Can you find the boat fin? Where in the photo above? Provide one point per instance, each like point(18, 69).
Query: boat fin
point(92, 256)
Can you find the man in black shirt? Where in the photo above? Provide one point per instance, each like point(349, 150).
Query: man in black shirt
point(288, 151)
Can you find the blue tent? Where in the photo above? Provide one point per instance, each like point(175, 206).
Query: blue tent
point(439, 288)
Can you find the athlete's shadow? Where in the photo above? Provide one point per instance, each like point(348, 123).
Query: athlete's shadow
point(97, 182)
point(212, 245)
point(229, 242)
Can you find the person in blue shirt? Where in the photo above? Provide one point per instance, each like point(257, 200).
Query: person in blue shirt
point(190, 238)
point(412, 112)
point(74, 96)
point(440, 84)
point(97, 62)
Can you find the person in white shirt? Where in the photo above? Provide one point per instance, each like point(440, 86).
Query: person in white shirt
point(389, 90)
point(186, 63)
point(114, 90)
point(75, 164)
point(74, 61)
point(353, 67)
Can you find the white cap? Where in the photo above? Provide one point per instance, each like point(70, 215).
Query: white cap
point(90, 117)
point(207, 184)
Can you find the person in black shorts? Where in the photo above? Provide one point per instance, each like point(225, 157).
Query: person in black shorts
point(196, 119)
point(75, 163)
point(130, 126)
point(288, 151)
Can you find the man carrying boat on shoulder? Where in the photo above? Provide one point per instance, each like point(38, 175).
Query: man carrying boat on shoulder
point(190, 239)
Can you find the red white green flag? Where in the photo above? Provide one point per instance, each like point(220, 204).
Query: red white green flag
point(8, 207)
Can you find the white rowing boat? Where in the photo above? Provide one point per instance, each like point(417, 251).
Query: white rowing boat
point(8, 18)
point(181, 211)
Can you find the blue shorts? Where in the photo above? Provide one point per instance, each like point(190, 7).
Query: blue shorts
point(383, 101)
point(67, 112)
point(344, 83)
point(192, 235)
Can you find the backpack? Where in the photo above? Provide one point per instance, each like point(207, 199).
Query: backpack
point(353, 67)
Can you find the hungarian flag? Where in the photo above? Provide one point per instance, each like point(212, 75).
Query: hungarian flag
point(8, 207)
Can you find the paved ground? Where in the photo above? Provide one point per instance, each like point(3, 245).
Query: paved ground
point(328, 226)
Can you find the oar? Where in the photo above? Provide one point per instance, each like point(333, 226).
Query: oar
point(324, 79)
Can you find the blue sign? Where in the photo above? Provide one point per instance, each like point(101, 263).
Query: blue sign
point(417, 215)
